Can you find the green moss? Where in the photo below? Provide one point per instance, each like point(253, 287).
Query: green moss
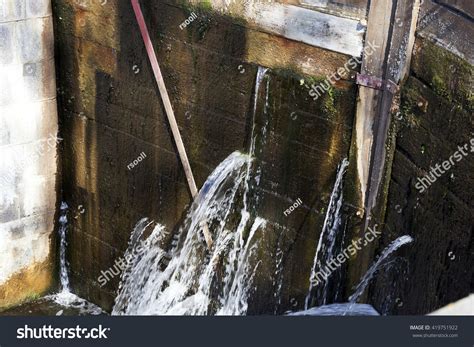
point(329, 103)
point(408, 108)
point(206, 5)
point(32, 297)
point(447, 74)
point(440, 87)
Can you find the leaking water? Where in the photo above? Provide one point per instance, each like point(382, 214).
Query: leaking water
point(65, 297)
point(198, 281)
point(187, 285)
point(325, 251)
point(352, 308)
point(184, 277)
point(402, 240)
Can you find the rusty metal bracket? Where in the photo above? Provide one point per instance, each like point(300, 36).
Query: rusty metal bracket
point(376, 83)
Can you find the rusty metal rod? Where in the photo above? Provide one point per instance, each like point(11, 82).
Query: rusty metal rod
point(169, 111)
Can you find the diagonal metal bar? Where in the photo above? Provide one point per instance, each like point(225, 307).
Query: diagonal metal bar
point(169, 110)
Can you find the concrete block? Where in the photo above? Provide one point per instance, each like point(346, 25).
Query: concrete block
point(38, 8)
point(21, 123)
point(37, 195)
point(41, 84)
point(12, 10)
point(35, 40)
point(24, 242)
point(23, 171)
point(6, 43)
point(11, 211)
point(15, 87)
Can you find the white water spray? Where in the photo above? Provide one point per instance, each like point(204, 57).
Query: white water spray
point(402, 240)
point(65, 297)
point(187, 285)
point(327, 238)
point(194, 282)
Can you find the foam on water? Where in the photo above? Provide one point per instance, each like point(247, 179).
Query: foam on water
point(187, 284)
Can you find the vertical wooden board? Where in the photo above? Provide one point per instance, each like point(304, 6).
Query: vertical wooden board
point(373, 64)
point(377, 33)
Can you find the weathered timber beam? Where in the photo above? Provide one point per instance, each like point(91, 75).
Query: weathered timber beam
point(342, 35)
point(396, 67)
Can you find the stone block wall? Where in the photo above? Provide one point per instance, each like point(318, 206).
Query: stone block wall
point(28, 143)
point(111, 112)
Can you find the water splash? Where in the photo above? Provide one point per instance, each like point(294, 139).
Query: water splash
point(234, 299)
point(63, 268)
point(327, 239)
point(196, 282)
point(261, 71)
point(402, 240)
point(339, 309)
point(65, 297)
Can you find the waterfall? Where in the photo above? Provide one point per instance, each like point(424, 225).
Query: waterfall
point(261, 71)
point(351, 307)
point(198, 281)
point(327, 240)
point(402, 240)
point(63, 268)
point(193, 282)
point(65, 297)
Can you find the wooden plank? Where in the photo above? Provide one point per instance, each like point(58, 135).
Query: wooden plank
point(392, 29)
point(367, 106)
point(343, 8)
point(343, 35)
point(402, 39)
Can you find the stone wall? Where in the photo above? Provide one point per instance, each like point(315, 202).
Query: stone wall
point(28, 141)
point(111, 112)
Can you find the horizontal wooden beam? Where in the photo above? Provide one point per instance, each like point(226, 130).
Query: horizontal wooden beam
point(342, 35)
point(343, 8)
